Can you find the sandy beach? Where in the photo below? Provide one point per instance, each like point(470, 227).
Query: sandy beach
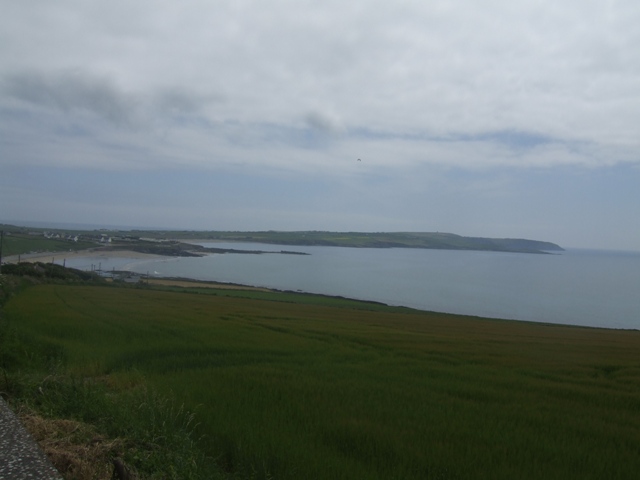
point(107, 253)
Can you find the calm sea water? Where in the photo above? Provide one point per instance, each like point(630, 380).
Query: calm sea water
point(579, 287)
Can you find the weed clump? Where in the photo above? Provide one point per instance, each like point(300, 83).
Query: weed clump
point(83, 425)
point(75, 448)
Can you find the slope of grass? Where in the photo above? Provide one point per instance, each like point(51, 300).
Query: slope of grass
point(256, 293)
point(292, 390)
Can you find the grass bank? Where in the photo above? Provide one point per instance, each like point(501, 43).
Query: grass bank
point(288, 387)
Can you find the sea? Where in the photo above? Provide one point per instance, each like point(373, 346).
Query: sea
point(594, 288)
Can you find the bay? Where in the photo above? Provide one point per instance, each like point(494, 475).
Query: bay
point(577, 287)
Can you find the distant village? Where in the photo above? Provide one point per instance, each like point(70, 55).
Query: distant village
point(98, 238)
point(58, 236)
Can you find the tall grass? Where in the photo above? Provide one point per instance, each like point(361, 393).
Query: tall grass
point(318, 391)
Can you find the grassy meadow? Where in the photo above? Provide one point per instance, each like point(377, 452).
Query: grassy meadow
point(293, 386)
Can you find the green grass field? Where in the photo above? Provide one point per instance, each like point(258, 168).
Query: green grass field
point(287, 389)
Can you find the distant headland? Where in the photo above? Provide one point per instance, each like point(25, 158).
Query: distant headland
point(430, 240)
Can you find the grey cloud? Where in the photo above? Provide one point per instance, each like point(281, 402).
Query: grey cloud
point(76, 92)
point(71, 91)
point(514, 139)
point(179, 101)
point(323, 122)
point(515, 77)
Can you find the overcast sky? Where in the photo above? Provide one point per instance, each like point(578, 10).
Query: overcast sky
point(483, 118)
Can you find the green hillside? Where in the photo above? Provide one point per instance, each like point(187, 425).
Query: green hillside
point(443, 241)
point(258, 385)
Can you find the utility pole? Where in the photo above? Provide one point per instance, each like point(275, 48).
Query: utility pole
point(1, 239)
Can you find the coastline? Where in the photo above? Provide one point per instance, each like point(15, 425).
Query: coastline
point(106, 253)
point(558, 297)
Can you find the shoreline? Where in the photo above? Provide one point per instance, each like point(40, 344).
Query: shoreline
point(108, 253)
point(125, 258)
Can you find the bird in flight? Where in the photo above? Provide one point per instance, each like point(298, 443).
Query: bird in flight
point(359, 160)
